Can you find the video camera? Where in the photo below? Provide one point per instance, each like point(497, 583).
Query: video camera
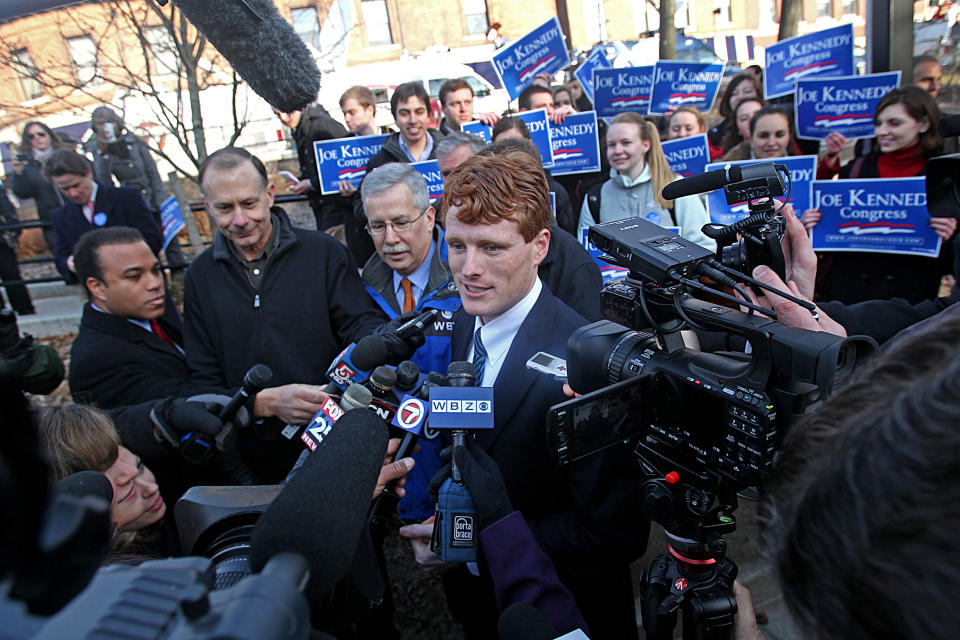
point(704, 425)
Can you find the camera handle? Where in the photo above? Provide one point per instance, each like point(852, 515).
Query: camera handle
point(695, 578)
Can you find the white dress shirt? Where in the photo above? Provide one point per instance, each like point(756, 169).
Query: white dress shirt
point(498, 334)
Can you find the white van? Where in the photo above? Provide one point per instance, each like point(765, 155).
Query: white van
point(382, 78)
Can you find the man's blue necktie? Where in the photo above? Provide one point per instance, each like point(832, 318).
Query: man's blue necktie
point(479, 357)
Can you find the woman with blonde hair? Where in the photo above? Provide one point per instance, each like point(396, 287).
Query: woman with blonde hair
point(80, 438)
point(638, 173)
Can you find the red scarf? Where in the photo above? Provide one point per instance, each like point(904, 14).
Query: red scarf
point(902, 163)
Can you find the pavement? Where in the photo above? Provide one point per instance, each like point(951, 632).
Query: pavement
point(58, 310)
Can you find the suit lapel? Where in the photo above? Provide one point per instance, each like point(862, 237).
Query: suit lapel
point(462, 334)
point(122, 328)
point(515, 380)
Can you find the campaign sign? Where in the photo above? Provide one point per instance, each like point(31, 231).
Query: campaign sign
point(461, 407)
point(687, 156)
point(478, 129)
point(585, 72)
point(575, 144)
point(619, 90)
point(543, 50)
point(344, 159)
point(538, 124)
point(678, 84)
point(430, 171)
point(171, 220)
point(411, 414)
point(844, 105)
point(610, 272)
point(878, 216)
point(802, 172)
point(825, 54)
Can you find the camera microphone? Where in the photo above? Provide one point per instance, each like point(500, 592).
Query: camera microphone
point(321, 513)
point(761, 172)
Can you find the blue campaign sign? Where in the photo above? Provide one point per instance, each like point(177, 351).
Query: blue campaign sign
point(344, 159)
point(477, 128)
point(585, 72)
point(538, 124)
point(430, 170)
point(619, 90)
point(575, 144)
point(461, 407)
point(844, 105)
point(687, 156)
point(610, 272)
point(876, 216)
point(825, 54)
point(802, 172)
point(171, 220)
point(543, 50)
point(677, 84)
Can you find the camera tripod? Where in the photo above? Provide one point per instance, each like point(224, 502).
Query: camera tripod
point(695, 577)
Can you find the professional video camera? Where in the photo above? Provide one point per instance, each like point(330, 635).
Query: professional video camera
point(704, 425)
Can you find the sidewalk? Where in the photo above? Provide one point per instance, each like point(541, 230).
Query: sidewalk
point(58, 310)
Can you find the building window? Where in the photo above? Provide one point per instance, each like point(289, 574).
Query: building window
point(163, 51)
point(475, 12)
point(851, 7)
point(377, 22)
point(27, 73)
point(824, 8)
point(306, 25)
point(83, 53)
point(723, 13)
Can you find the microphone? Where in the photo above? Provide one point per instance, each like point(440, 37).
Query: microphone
point(523, 621)
point(356, 396)
point(261, 46)
point(86, 484)
point(254, 381)
point(408, 375)
point(322, 512)
point(719, 178)
point(949, 126)
point(355, 363)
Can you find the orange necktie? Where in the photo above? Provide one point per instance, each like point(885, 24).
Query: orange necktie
point(407, 295)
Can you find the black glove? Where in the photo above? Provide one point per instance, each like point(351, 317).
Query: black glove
point(481, 475)
point(175, 417)
point(399, 349)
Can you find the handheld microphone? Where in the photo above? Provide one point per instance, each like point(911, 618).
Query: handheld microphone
point(417, 325)
point(408, 375)
point(458, 407)
point(196, 447)
point(523, 621)
point(381, 382)
point(355, 363)
point(321, 514)
point(254, 381)
point(356, 396)
point(261, 46)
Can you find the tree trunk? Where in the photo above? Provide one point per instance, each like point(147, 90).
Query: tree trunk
point(790, 11)
point(193, 90)
point(668, 29)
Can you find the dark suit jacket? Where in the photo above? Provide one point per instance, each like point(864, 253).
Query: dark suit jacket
point(123, 207)
point(569, 519)
point(115, 363)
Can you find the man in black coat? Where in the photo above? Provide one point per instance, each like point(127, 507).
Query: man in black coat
point(269, 293)
point(497, 222)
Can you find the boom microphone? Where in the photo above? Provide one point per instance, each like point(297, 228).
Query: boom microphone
point(261, 46)
point(322, 512)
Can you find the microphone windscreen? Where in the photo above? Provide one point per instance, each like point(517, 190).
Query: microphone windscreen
point(356, 396)
point(261, 46)
point(85, 483)
point(369, 353)
point(257, 378)
point(949, 126)
point(709, 181)
point(523, 621)
point(461, 373)
point(322, 512)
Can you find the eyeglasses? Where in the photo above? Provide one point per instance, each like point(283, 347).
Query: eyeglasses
point(399, 226)
point(37, 134)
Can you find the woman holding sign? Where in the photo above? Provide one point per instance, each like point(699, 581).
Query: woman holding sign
point(639, 171)
point(771, 134)
point(725, 134)
point(688, 121)
point(906, 137)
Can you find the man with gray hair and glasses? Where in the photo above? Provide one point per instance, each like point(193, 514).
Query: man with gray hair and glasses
point(409, 274)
